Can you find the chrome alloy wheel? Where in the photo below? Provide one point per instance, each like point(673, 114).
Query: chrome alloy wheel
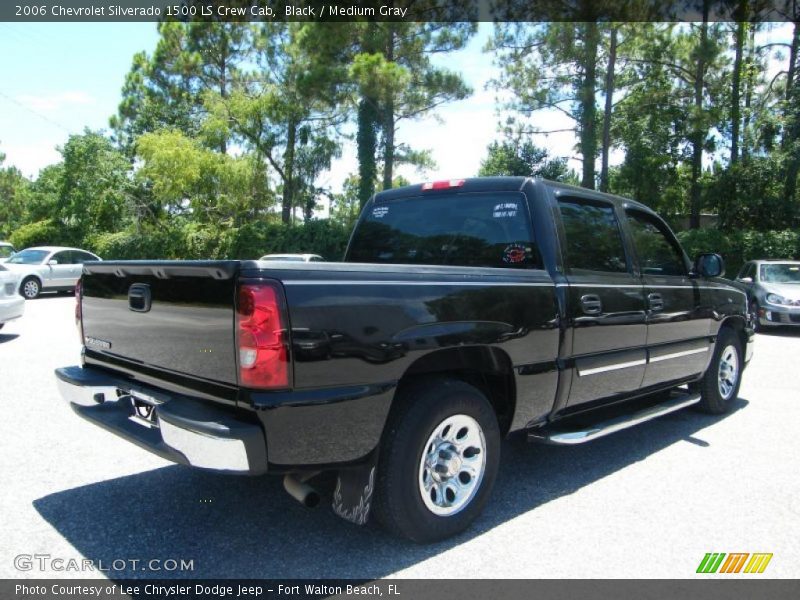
point(30, 289)
point(728, 372)
point(452, 465)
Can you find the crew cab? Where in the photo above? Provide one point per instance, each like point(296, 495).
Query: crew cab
point(464, 311)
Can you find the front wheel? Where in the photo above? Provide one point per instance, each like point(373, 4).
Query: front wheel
point(720, 385)
point(30, 288)
point(754, 318)
point(438, 461)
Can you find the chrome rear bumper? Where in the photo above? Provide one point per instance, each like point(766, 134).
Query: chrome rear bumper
point(186, 430)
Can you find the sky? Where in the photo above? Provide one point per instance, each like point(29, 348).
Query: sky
point(57, 79)
point(68, 77)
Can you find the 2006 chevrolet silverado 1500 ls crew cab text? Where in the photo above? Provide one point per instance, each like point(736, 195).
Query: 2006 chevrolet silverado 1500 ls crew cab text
point(464, 311)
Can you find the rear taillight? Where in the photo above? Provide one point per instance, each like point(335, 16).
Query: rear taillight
point(78, 309)
point(262, 338)
point(442, 185)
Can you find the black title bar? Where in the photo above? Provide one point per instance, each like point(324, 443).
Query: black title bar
point(399, 10)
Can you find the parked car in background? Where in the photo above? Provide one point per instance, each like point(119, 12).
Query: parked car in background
point(773, 291)
point(6, 251)
point(294, 257)
point(12, 305)
point(48, 269)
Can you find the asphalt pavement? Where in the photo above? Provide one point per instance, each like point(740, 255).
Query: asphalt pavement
point(648, 502)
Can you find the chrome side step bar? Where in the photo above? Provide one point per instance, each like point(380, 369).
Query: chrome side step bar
point(604, 428)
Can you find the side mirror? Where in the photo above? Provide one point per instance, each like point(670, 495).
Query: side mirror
point(746, 280)
point(52, 262)
point(709, 265)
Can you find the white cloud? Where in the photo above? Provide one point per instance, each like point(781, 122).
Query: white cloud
point(54, 102)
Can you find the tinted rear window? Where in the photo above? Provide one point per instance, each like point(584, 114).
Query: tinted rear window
point(473, 230)
point(594, 241)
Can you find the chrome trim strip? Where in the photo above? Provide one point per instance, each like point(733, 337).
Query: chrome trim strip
point(600, 285)
point(613, 425)
point(422, 283)
point(225, 454)
point(649, 286)
point(613, 367)
point(677, 354)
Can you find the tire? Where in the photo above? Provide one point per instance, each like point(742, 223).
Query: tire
point(717, 394)
point(754, 318)
point(430, 416)
point(30, 288)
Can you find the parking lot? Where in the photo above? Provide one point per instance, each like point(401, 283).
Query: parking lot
point(648, 502)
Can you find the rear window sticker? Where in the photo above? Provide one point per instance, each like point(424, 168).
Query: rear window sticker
point(505, 210)
point(515, 253)
point(380, 211)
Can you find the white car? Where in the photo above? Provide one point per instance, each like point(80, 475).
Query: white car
point(48, 268)
point(294, 257)
point(12, 305)
point(6, 251)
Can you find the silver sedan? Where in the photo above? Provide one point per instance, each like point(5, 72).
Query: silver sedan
point(48, 268)
point(773, 291)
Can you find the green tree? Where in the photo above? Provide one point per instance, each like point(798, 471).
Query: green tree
point(93, 186)
point(790, 144)
point(283, 114)
point(520, 156)
point(386, 72)
point(554, 66)
point(167, 89)
point(417, 86)
point(186, 178)
point(13, 194)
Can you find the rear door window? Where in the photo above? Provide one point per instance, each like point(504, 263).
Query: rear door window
point(79, 257)
point(64, 257)
point(471, 229)
point(593, 239)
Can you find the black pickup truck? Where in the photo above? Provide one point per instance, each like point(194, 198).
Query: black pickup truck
point(464, 311)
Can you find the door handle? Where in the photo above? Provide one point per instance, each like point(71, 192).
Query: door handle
point(591, 305)
point(655, 301)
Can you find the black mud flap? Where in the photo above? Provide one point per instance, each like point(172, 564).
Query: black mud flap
point(352, 497)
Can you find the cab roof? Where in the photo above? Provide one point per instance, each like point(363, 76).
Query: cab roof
point(506, 184)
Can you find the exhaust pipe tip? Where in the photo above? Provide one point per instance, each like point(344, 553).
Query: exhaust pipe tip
point(301, 491)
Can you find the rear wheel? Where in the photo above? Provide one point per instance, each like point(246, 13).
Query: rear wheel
point(438, 462)
point(720, 385)
point(30, 288)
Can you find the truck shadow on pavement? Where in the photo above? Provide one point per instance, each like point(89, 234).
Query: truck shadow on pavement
point(250, 528)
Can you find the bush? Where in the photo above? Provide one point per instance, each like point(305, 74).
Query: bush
point(40, 233)
point(739, 246)
point(133, 245)
point(326, 238)
point(201, 241)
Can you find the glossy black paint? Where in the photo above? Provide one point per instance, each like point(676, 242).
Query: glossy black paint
point(186, 331)
point(362, 325)
point(358, 331)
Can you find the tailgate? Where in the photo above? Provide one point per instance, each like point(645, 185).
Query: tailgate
point(175, 316)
